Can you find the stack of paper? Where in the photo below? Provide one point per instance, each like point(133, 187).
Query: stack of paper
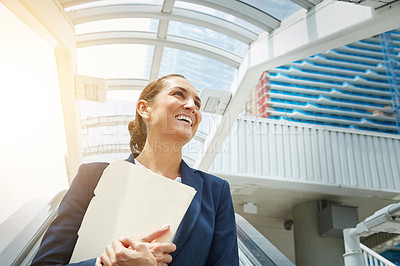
point(130, 201)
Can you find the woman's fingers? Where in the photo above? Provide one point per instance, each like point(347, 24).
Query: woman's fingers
point(110, 254)
point(156, 234)
point(161, 248)
point(98, 261)
point(105, 260)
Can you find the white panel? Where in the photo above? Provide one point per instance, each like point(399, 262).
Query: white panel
point(294, 152)
point(386, 163)
point(272, 151)
point(265, 161)
point(358, 160)
point(235, 149)
point(329, 157)
point(286, 151)
point(278, 150)
point(302, 154)
point(323, 155)
point(308, 154)
point(365, 161)
point(316, 155)
point(250, 147)
point(394, 155)
point(350, 159)
point(257, 148)
point(379, 163)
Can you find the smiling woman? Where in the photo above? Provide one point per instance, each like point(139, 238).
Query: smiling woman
point(167, 117)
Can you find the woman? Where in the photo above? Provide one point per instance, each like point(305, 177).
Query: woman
point(167, 117)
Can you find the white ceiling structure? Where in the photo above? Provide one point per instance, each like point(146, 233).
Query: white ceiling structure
point(304, 28)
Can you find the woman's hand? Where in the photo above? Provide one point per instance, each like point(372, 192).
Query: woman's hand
point(129, 251)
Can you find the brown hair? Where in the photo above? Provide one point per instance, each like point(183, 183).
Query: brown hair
point(137, 128)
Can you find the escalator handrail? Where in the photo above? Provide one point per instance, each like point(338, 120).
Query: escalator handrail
point(27, 230)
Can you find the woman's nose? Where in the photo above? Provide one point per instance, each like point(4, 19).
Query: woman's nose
point(190, 105)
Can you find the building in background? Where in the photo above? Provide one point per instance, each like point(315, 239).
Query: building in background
point(345, 87)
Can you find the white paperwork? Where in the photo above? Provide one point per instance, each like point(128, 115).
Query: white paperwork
point(130, 201)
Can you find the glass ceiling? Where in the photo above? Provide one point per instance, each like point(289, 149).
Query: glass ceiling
point(140, 40)
point(279, 9)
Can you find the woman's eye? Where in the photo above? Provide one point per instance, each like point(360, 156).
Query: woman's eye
point(179, 93)
point(197, 104)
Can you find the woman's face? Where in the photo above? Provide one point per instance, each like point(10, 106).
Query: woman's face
point(175, 112)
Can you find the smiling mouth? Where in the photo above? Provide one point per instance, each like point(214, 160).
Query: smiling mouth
point(184, 118)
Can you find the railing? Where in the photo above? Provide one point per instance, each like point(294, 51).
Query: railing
point(371, 258)
point(22, 232)
point(255, 249)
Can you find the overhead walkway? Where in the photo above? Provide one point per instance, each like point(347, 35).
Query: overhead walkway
point(312, 158)
point(21, 235)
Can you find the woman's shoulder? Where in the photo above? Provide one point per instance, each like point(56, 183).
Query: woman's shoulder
point(88, 175)
point(212, 181)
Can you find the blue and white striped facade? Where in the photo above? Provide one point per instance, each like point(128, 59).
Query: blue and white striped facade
point(345, 87)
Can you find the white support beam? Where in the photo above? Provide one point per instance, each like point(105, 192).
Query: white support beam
point(48, 19)
point(156, 63)
point(132, 37)
point(329, 25)
point(162, 29)
point(126, 84)
point(243, 11)
point(167, 6)
point(151, 11)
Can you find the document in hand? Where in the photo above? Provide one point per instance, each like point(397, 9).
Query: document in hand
point(130, 201)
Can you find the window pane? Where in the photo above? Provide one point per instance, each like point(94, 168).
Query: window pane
point(207, 36)
point(279, 9)
point(219, 14)
point(122, 24)
point(201, 71)
point(109, 141)
point(115, 61)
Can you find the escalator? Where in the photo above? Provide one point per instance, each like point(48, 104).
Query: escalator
point(21, 234)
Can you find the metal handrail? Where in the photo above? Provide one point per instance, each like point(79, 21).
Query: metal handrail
point(25, 229)
point(372, 258)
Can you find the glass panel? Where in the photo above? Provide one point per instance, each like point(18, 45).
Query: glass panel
point(113, 2)
point(219, 14)
point(111, 139)
point(122, 24)
point(115, 61)
point(279, 9)
point(201, 71)
point(207, 36)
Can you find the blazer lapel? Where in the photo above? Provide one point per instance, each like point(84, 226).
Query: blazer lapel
point(190, 178)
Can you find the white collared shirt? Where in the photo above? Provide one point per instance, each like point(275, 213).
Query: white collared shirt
point(178, 179)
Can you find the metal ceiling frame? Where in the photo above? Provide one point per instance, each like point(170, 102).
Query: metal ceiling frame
point(153, 12)
point(135, 37)
point(126, 84)
point(243, 11)
point(235, 8)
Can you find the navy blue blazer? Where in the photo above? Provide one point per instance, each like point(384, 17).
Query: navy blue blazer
point(206, 235)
